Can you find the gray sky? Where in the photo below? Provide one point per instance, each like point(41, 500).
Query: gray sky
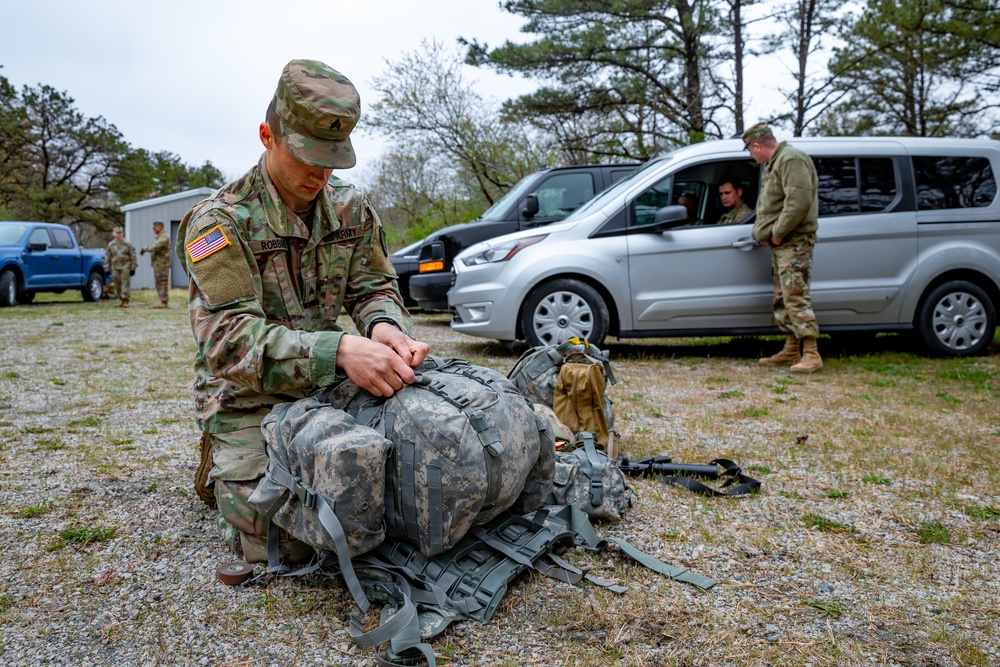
point(193, 77)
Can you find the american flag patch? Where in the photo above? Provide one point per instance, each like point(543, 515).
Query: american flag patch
point(205, 245)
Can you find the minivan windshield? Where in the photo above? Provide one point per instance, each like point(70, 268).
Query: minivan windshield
point(522, 188)
point(613, 191)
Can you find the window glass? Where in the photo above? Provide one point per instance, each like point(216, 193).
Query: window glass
point(838, 185)
point(878, 183)
point(953, 182)
point(39, 236)
point(561, 195)
point(61, 238)
point(10, 234)
point(652, 200)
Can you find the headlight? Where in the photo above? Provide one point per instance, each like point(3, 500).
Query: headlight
point(501, 252)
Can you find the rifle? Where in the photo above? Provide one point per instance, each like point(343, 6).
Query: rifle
point(663, 469)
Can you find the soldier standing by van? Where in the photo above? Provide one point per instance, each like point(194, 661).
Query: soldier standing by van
point(160, 259)
point(787, 220)
point(121, 258)
point(272, 258)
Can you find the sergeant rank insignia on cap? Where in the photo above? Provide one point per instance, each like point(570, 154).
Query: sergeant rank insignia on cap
point(206, 244)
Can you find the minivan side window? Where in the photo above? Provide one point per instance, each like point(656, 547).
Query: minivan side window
point(652, 200)
point(953, 182)
point(839, 190)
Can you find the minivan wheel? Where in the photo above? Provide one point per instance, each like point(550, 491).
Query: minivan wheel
point(562, 309)
point(957, 319)
point(8, 289)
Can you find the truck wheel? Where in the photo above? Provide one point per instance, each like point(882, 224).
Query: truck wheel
point(94, 288)
point(25, 297)
point(957, 319)
point(8, 289)
point(562, 309)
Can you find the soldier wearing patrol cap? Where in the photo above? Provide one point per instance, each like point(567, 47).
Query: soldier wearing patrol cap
point(121, 259)
point(272, 258)
point(787, 220)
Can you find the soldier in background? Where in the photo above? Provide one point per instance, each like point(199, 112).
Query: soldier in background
point(272, 259)
point(160, 259)
point(787, 220)
point(732, 200)
point(120, 256)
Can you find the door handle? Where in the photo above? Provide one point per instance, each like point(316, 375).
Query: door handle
point(746, 245)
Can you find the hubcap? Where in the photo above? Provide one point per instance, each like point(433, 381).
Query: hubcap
point(959, 321)
point(561, 316)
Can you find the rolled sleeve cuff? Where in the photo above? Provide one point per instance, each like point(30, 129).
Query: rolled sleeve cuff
point(323, 360)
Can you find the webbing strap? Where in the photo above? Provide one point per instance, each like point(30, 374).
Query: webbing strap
point(407, 488)
point(592, 466)
point(656, 565)
point(435, 532)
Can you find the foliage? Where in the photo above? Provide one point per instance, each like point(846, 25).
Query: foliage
point(626, 77)
point(58, 165)
point(805, 23)
point(465, 155)
point(921, 68)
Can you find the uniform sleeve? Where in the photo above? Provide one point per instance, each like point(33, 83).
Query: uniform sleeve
point(162, 245)
point(230, 328)
point(799, 192)
point(372, 293)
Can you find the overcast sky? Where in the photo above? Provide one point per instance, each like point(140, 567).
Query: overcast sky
point(193, 77)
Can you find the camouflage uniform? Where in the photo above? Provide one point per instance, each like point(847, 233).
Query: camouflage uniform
point(264, 308)
point(122, 260)
point(160, 259)
point(736, 214)
point(788, 208)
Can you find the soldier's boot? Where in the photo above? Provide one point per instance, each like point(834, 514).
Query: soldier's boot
point(811, 361)
point(121, 304)
point(162, 304)
point(125, 303)
point(789, 354)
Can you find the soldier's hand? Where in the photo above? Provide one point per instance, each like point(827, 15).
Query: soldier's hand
point(373, 365)
point(412, 352)
point(142, 252)
point(132, 272)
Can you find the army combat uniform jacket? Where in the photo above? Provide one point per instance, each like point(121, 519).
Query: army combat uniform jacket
point(788, 201)
point(121, 256)
point(159, 252)
point(736, 214)
point(266, 290)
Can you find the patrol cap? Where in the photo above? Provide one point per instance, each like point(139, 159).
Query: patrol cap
point(317, 107)
point(119, 228)
point(754, 133)
point(158, 222)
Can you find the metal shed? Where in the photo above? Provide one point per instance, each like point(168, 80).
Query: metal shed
point(139, 219)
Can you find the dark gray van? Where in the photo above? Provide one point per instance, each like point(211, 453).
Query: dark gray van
point(546, 196)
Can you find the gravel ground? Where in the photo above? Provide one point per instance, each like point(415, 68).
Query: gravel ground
point(827, 566)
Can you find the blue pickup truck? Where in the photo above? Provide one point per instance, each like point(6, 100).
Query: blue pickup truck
point(45, 257)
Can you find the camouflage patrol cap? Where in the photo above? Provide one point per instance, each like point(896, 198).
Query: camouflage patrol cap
point(119, 228)
point(754, 133)
point(318, 107)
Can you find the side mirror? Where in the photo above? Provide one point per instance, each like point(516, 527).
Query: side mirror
point(37, 247)
point(530, 209)
point(669, 217)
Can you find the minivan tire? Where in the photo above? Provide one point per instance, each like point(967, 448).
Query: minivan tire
point(957, 319)
point(562, 309)
point(8, 289)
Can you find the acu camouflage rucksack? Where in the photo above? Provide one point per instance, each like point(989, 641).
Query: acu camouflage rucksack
point(466, 445)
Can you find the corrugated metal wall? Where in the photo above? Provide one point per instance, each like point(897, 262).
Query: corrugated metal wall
point(139, 219)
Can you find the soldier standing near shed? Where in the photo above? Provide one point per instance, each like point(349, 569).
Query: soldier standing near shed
point(160, 259)
point(787, 220)
point(272, 258)
point(122, 260)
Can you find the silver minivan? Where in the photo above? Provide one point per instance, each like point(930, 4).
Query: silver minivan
point(909, 239)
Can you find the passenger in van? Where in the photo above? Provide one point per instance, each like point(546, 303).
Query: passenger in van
point(690, 202)
point(787, 220)
point(732, 200)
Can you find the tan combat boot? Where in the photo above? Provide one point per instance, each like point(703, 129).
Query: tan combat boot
point(811, 361)
point(125, 303)
point(789, 353)
point(162, 304)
